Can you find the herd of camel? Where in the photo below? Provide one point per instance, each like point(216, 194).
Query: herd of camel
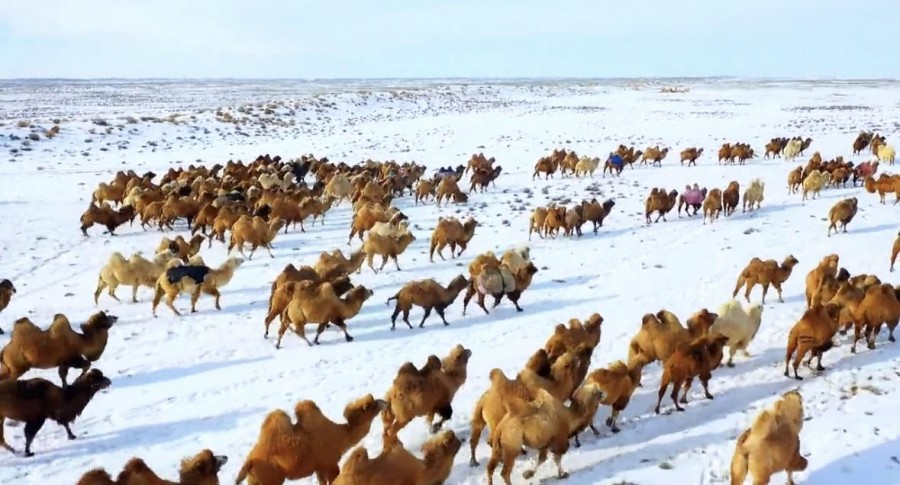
point(543, 408)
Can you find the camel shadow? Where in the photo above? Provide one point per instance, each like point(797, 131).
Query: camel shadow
point(174, 373)
point(878, 228)
point(649, 455)
point(872, 465)
point(142, 436)
point(501, 313)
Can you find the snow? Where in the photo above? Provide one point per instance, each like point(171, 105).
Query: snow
point(208, 379)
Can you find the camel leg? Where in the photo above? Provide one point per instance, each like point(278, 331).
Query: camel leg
point(704, 379)
point(440, 312)
point(406, 317)
point(170, 302)
point(687, 388)
point(477, 428)
point(542, 457)
point(492, 465)
point(611, 421)
point(663, 385)
point(514, 298)
point(394, 317)
point(425, 317)
point(819, 367)
point(445, 413)
point(214, 292)
point(3, 442)
point(802, 349)
point(470, 292)
point(497, 299)
point(343, 326)
point(778, 289)
point(321, 328)
point(396, 263)
point(675, 390)
point(857, 333)
point(481, 302)
point(69, 433)
point(268, 321)
point(194, 297)
point(765, 291)
point(64, 371)
point(31, 430)
point(300, 330)
point(872, 334)
point(750, 284)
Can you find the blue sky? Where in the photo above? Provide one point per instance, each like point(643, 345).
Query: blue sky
point(449, 38)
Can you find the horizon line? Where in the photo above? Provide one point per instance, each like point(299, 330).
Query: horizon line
point(457, 78)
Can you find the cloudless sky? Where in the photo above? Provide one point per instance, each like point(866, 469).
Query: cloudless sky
point(449, 38)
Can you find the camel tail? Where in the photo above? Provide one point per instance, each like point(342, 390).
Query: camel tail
point(740, 461)
point(741, 281)
point(242, 474)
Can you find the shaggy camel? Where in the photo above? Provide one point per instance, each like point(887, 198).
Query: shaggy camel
point(334, 264)
point(536, 221)
point(428, 391)
point(105, 215)
point(765, 273)
point(771, 444)
point(594, 212)
point(712, 205)
point(319, 304)
point(842, 213)
point(543, 423)
point(135, 271)
point(812, 333)
point(33, 401)
point(201, 469)
point(450, 230)
point(254, 231)
point(387, 247)
point(498, 282)
point(59, 346)
point(885, 184)
point(661, 333)
point(661, 202)
point(826, 268)
point(691, 155)
point(880, 306)
point(194, 280)
point(689, 359)
point(566, 338)
point(730, 198)
point(313, 444)
point(795, 179)
point(429, 295)
point(179, 247)
point(618, 382)
point(397, 466)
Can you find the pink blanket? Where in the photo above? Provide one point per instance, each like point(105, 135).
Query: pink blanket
point(693, 197)
point(865, 169)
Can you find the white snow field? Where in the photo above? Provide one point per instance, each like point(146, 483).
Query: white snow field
point(207, 380)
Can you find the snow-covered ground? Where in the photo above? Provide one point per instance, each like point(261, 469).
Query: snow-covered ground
point(208, 379)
